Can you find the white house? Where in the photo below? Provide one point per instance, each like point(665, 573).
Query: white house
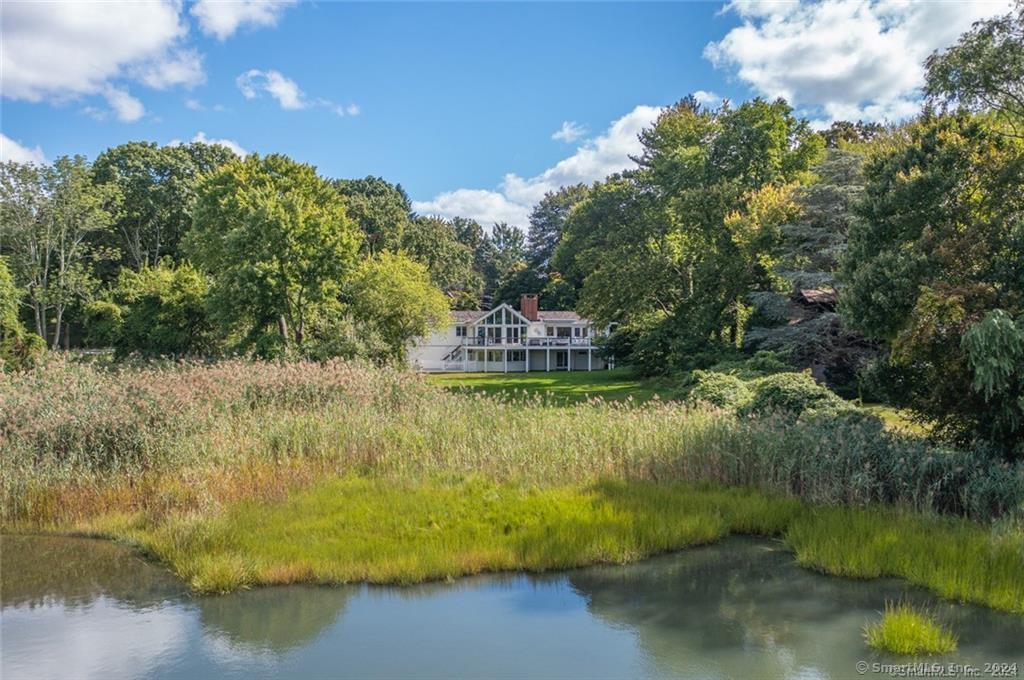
point(505, 340)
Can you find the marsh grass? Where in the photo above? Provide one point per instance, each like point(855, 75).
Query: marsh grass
point(220, 470)
point(381, 531)
point(906, 630)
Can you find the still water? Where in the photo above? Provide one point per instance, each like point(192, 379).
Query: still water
point(739, 609)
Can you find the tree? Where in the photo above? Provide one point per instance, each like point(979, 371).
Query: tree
point(52, 216)
point(396, 297)
point(18, 347)
point(432, 241)
point(158, 186)
point(497, 254)
point(938, 247)
point(547, 221)
point(808, 332)
point(679, 243)
point(995, 351)
point(276, 241)
point(984, 70)
point(160, 311)
point(844, 132)
point(379, 208)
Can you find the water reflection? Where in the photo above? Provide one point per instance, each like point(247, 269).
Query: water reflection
point(272, 619)
point(741, 608)
point(52, 570)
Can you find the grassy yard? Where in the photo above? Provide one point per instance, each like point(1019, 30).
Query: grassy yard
point(561, 387)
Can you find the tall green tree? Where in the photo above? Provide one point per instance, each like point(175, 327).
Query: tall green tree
point(396, 297)
point(433, 242)
point(158, 184)
point(938, 247)
point(52, 217)
point(18, 347)
point(984, 70)
point(547, 222)
point(381, 210)
point(680, 242)
point(276, 241)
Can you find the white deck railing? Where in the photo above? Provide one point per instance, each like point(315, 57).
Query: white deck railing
point(527, 342)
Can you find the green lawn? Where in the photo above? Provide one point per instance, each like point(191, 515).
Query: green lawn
point(562, 387)
point(897, 419)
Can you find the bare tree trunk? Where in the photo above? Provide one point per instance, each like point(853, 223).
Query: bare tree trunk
point(56, 328)
point(282, 326)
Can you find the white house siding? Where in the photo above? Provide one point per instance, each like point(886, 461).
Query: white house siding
point(428, 353)
point(446, 350)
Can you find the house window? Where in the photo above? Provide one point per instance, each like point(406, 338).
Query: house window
point(576, 331)
point(562, 360)
point(551, 331)
point(517, 355)
point(460, 331)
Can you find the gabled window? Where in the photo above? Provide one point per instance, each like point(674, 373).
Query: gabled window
point(460, 331)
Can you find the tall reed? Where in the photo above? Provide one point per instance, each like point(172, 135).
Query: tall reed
point(77, 439)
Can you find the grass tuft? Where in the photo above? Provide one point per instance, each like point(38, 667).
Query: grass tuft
point(905, 630)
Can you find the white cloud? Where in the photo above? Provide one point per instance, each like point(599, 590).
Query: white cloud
point(594, 160)
point(201, 137)
point(126, 107)
point(11, 150)
point(486, 207)
point(221, 18)
point(180, 67)
point(194, 105)
point(569, 132)
point(707, 99)
point(254, 82)
point(283, 89)
point(57, 51)
point(843, 59)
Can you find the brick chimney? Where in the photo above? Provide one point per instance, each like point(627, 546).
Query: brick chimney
point(528, 307)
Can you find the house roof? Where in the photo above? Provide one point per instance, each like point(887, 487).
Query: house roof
point(823, 297)
point(469, 316)
point(558, 316)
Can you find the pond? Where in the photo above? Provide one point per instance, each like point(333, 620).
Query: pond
point(739, 609)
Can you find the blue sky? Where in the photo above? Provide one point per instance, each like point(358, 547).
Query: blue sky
point(458, 102)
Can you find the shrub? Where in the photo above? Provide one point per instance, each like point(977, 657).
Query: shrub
point(19, 348)
point(718, 389)
point(762, 363)
point(791, 393)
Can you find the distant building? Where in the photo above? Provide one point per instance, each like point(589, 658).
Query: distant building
point(506, 340)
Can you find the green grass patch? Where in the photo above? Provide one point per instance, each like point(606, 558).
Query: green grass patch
point(897, 420)
point(561, 387)
point(381, 530)
point(959, 560)
point(384, 531)
point(905, 630)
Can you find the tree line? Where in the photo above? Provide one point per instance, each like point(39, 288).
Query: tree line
point(888, 260)
point(191, 250)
